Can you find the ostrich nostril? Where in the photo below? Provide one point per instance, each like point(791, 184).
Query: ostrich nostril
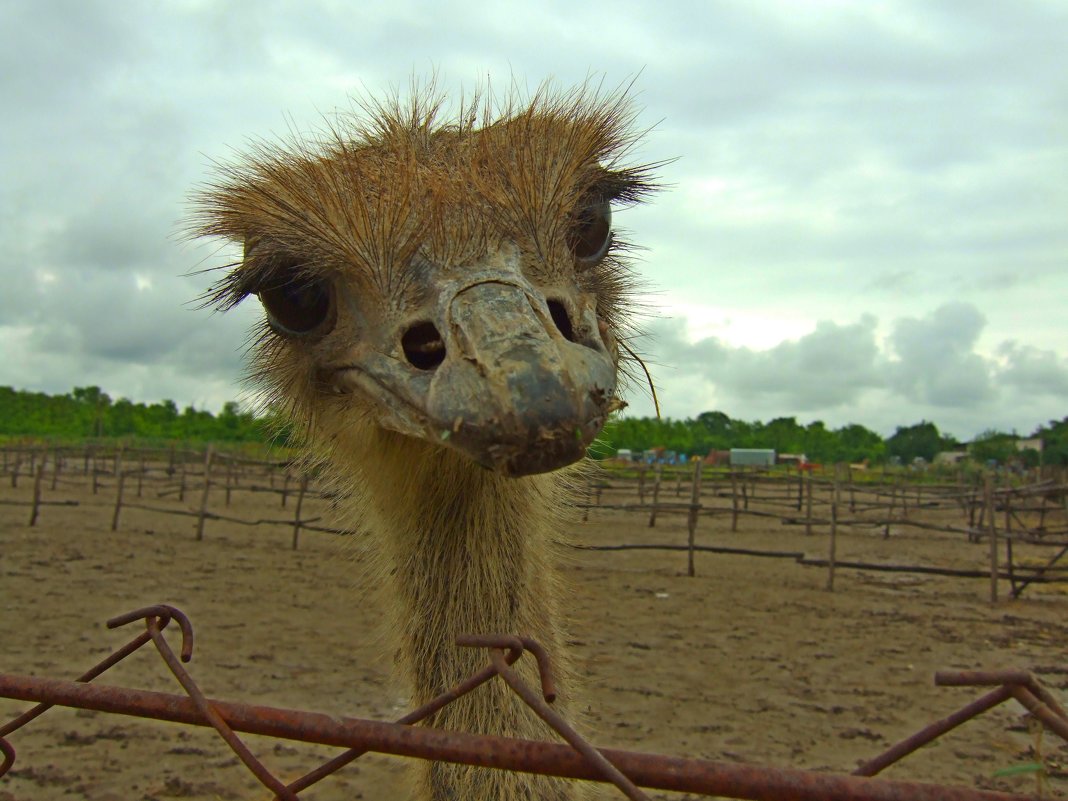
point(423, 346)
point(563, 322)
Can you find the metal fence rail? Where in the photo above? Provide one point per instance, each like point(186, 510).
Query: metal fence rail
point(577, 760)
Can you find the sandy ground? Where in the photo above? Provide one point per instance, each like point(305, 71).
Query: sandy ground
point(750, 661)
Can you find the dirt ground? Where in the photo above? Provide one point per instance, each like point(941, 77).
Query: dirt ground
point(752, 660)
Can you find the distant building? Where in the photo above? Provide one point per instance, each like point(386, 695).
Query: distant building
point(1034, 444)
point(625, 455)
point(752, 457)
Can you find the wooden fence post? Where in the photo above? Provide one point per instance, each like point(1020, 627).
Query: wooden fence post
point(285, 489)
point(641, 484)
point(695, 508)
point(118, 501)
point(852, 490)
point(36, 494)
point(204, 494)
point(300, 502)
point(181, 480)
point(734, 500)
point(656, 494)
point(808, 505)
point(15, 470)
point(229, 478)
point(890, 511)
point(988, 498)
point(835, 496)
point(140, 473)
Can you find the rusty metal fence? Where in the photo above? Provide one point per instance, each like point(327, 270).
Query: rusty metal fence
point(577, 759)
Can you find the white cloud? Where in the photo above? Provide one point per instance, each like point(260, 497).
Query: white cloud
point(865, 220)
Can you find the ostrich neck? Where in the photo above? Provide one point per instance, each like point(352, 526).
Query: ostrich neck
point(469, 551)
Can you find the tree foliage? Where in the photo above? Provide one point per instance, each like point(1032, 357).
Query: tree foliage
point(90, 412)
point(717, 431)
point(919, 441)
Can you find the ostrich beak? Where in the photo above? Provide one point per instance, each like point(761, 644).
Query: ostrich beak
point(513, 392)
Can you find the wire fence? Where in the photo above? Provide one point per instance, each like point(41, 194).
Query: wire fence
point(1030, 511)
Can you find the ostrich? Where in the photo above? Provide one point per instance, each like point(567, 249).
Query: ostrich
point(445, 304)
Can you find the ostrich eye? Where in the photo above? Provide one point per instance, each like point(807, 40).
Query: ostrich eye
point(298, 305)
point(590, 233)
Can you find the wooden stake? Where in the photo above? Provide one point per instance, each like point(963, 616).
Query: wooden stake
point(695, 508)
point(890, 511)
point(852, 490)
point(734, 501)
point(204, 494)
point(656, 494)
point(15, 471)
point(808, 506)
point(36, 494)
point(300, 502)
point(229, 478)
point(118, 501)
point(1015, 593)
point(641, 484)
point(140, 473)
point(835, 496)
point(285, 489)
point(988, 498)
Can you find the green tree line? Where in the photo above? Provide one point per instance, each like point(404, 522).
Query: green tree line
point(90, 412)
point(851, 443)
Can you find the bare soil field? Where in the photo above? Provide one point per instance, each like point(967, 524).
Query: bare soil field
point(752, 660)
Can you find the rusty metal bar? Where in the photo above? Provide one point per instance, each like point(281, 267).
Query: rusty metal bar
point(1024, 686)
point(925, 735)
point(647, 770)
point(594, 757)
point(979, 678)
point(1041, 711)
point(416, 715)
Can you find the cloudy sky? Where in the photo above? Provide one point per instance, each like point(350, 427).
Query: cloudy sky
point(866, 220)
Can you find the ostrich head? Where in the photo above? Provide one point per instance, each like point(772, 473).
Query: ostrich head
point(455, 282)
